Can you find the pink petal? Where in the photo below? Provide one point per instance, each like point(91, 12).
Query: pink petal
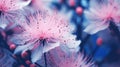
point(48, 46)
point(96, 27)
point(36, 54)
point(23, 48)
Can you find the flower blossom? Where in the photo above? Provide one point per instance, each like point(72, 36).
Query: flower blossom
point(59, 58)
point(10, 5)
point(100, 16)
point(43, 32)
point(9, 10)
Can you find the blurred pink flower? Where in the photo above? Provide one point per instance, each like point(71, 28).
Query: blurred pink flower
point(59, 58)
point(10, 5)
point(101, 13)
point(43, 32)
point(9, 11)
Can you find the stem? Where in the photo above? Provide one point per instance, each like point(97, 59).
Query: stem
point(115, 29)
point(45, 56)
point(84, 42)
point(38, 65)
point(45, 59)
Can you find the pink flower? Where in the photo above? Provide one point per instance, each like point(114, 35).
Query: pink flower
point(43, 32)
point(10, 5)
point(59, 58)
point(9, 11)
point(100, 14)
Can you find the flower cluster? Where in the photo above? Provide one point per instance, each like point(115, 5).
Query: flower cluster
point(9, 11)
point(40, 32)
point(11, 5)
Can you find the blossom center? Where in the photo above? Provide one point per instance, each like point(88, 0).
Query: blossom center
point(2, 8)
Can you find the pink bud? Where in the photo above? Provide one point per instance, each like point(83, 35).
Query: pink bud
point(12, 46)
point(99, 41)
point(25, 54)
point(71, 3)
point(28, 62)
point(32, 65)
point(79, 10)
